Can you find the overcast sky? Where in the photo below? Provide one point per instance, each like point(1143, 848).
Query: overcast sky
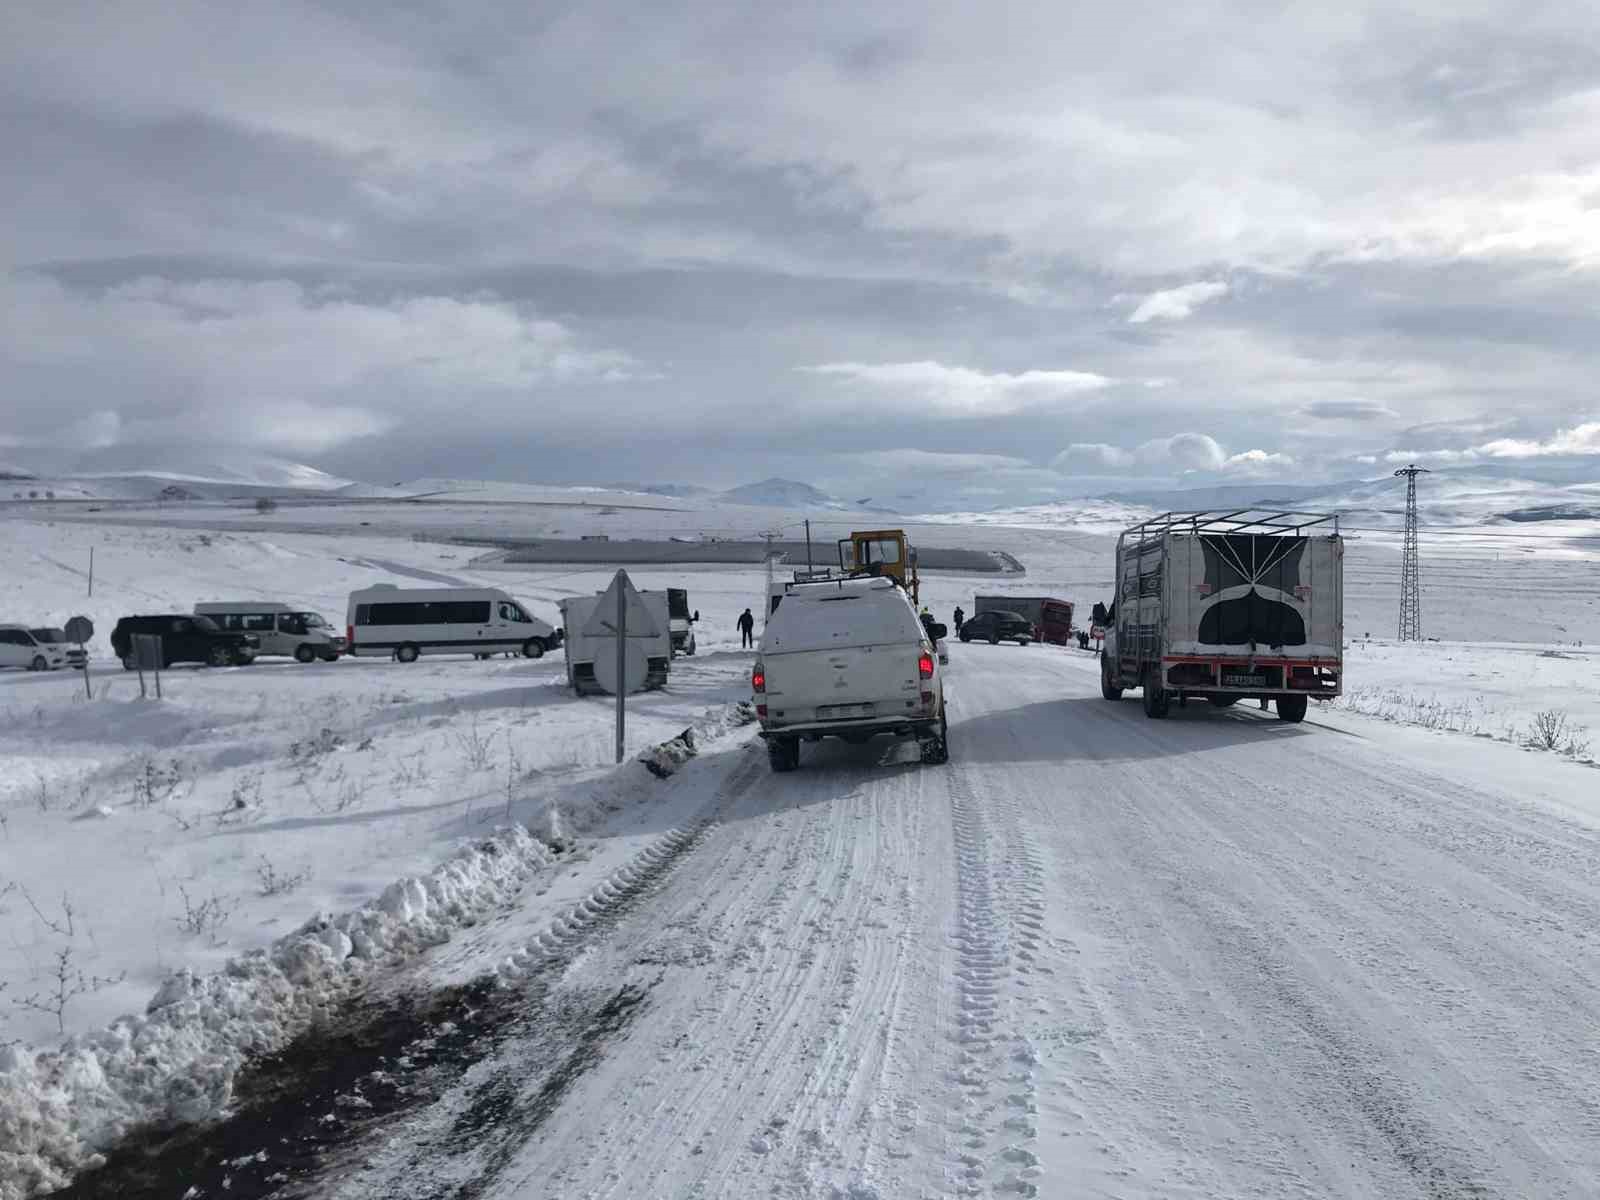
point(1000, 251)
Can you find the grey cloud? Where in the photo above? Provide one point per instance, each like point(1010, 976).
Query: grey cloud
point(695, 202)
point(1348, 410)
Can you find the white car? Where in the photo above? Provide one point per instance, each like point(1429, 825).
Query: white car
point(19, 648)
point(848, 659)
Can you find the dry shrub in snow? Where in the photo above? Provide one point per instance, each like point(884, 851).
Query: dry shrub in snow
point(205, 918)
point(1549, 729)
point(277, 883)
point(66, 982)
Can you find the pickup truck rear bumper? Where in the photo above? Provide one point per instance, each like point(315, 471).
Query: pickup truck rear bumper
point(853, 730)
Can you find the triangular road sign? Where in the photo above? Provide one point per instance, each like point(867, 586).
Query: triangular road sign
point(603, 622)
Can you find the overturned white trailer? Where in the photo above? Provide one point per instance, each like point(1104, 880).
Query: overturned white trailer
point(583, 650)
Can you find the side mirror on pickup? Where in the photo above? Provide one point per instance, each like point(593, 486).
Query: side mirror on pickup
point(936, 630)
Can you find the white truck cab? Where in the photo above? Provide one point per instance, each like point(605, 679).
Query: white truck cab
point(848, 658)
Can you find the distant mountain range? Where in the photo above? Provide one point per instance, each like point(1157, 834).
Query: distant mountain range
point(1448, 496)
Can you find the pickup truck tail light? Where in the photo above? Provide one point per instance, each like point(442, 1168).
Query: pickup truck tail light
point(758, 678)
point(925, 665)
point(350, 636)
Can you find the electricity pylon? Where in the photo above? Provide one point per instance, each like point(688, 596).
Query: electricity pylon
point(1410, 581)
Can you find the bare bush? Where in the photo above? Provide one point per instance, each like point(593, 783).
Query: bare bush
point(65, 926)
point(154, 782)
point(67, 982)
point(320, 744)
point(1550, 729)
point(205, 918)
point(43, 793)
point(476, 745)
point(246, 791)
point(412, 772)
point(266, 504)
point(277, 883)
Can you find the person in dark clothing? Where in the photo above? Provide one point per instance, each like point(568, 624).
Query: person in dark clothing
point(747, 627)
point(960, 617)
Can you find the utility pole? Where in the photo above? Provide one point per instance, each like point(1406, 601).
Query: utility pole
point(809, 567)
point(1410, 581)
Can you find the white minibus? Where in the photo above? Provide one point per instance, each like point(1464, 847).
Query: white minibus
point(407, 622)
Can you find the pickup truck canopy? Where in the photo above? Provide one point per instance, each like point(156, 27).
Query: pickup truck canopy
point(825, 616)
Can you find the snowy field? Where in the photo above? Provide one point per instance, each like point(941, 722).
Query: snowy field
point(271, 816)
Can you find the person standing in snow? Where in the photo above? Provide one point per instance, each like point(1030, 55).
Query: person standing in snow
point(960, 617)
point(747, 627)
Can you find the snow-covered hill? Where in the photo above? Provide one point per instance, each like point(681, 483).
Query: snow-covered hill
point(780, 493)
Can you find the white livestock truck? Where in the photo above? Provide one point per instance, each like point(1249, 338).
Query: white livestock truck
point(1228, 606)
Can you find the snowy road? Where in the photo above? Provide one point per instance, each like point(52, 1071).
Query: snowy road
point(1096, 955)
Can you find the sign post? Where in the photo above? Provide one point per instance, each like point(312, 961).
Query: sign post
point(80, 630)
point(621, 614)
point(622, 666)
point(147, 653)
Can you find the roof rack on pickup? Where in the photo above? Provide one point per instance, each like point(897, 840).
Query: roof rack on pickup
point(1238, 520)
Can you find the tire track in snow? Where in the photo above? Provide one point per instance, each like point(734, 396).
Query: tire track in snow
point(1000, 918)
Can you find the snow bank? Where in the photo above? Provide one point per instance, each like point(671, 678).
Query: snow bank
point(59, 1109)
point(664, 759)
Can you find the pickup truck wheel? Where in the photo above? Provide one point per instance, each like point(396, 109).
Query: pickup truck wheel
point(783, 754)
point(936, 750)
point(1156, 699)
point(533, 648)
point(1222, 701)
point(407, 653)
point(1291, 709)
point(1108, 689)
point(219, 656)
point(305, 654)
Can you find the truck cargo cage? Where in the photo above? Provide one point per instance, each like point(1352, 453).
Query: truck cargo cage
point(1239, 520)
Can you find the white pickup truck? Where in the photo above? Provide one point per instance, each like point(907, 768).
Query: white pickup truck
point(848, 658)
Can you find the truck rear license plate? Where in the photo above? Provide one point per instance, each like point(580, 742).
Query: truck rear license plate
point(1251, 681)
point(844, 710)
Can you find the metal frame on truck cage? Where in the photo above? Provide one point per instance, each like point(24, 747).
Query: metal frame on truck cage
point(1239, 520)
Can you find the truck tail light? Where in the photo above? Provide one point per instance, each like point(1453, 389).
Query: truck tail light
point(758, 678)
point(350, 635)
point(925, 665)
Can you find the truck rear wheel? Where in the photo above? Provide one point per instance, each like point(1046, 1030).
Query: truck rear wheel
point(407, 653)
point(783, 754)
point(1291, 709)
point(1156, 699)
point(936, 749)
point(1108, 689)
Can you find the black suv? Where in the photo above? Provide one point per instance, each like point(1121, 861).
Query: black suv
point(186, 637)
point(998, 626)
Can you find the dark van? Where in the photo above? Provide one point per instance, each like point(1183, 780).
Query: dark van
point(186, 637)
